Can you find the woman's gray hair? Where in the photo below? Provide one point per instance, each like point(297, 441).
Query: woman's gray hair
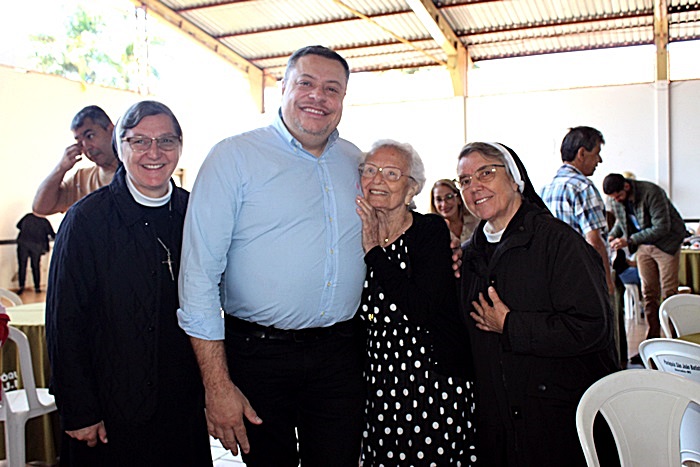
point(416, 168)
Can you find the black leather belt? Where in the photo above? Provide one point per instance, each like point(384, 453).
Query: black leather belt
point(258, 331)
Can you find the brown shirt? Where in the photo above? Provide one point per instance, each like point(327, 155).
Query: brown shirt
point(83, 182)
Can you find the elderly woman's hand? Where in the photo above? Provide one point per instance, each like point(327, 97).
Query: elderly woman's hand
point(370, 224)
point(490, 317)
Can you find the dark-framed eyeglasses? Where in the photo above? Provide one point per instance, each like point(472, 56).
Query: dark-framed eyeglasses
point(483, 174)
point(446, 198)
point(143, 143)
point(390, 174)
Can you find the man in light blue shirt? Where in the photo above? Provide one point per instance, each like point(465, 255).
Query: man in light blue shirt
point(272, 237)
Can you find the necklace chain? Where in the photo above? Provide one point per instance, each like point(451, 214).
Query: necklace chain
point(402, 231)
point(168, 261)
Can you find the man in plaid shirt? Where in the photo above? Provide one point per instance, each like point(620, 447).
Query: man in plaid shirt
point(573, 198)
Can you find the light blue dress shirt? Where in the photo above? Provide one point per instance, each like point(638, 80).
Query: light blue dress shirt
point(271, 235)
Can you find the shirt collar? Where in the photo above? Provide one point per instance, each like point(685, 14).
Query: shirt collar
point(572, 168)
point(279, 125)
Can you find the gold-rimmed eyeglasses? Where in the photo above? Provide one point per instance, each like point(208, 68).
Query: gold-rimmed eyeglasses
point(483, 174)
point(143, 143)
point(390, 174)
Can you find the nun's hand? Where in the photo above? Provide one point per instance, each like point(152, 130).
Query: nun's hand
point(490, 318)
point(456, 254)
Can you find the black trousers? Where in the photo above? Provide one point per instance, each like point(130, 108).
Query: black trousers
point(33, 253)
point(310, 394)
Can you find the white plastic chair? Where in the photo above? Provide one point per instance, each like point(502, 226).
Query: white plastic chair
point(633, 304)
point(683, 359)
point(18, 406)
point(644, 409)
point(680, 314)
point(9, 297)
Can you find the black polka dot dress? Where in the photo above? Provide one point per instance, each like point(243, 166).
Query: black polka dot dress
point(414, 416)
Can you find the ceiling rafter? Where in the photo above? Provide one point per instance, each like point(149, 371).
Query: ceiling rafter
point(261, 34)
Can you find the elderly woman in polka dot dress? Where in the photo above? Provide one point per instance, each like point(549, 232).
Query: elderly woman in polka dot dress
point(419, 372)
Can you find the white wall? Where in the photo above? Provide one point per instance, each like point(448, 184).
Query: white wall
point(533, 124)
point(36, 109)
point(685, 147)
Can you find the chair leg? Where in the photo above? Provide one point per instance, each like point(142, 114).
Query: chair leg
point(15, 449)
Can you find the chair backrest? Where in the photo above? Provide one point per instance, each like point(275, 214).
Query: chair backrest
point(9, 297)
point(644, 409)
point(683, 359)
point(672, 356)
point(25, 366)
point(680, 314)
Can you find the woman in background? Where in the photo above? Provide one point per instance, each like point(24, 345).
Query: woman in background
point(446, 201)
point(419, 372)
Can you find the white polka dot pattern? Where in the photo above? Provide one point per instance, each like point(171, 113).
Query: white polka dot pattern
point(414, 416)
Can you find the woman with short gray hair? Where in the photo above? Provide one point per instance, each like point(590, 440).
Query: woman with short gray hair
point(420, 406)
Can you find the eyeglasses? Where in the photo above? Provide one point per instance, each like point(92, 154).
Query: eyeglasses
point(143, 143)
point(448, 197)
point(390, 174)
point(483, 174)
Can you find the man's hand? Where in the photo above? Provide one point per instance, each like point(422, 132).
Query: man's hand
point(618, 243)
point(91, 434)
point(226, 407)
point(487, 317)
point(71, 155)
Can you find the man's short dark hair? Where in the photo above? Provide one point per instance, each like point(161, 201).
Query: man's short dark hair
point(613, 183)
point(320, 51)
point(577, 137)
point(94, 113)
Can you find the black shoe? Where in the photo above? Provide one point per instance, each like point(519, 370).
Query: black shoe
point(636, 360)
point(20, 291)
point(37, 290)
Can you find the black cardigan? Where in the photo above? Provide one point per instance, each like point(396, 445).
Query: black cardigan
point(426, 291)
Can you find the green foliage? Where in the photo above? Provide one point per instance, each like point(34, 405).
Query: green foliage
point(90, 54)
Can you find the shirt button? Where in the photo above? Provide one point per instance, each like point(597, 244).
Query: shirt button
point(323, 313)
point(542, 387)
point(332, 251)
point(330, 218)
point(328, 284)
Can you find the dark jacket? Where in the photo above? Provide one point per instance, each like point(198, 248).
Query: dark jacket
point(106, 314)
point(35, 232)
point(660, 223)
point(557, 339)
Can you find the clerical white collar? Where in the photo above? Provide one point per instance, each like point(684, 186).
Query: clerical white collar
point(491, 236)
point(147, 201)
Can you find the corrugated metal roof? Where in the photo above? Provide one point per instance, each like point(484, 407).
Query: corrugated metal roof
point(387, 34)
